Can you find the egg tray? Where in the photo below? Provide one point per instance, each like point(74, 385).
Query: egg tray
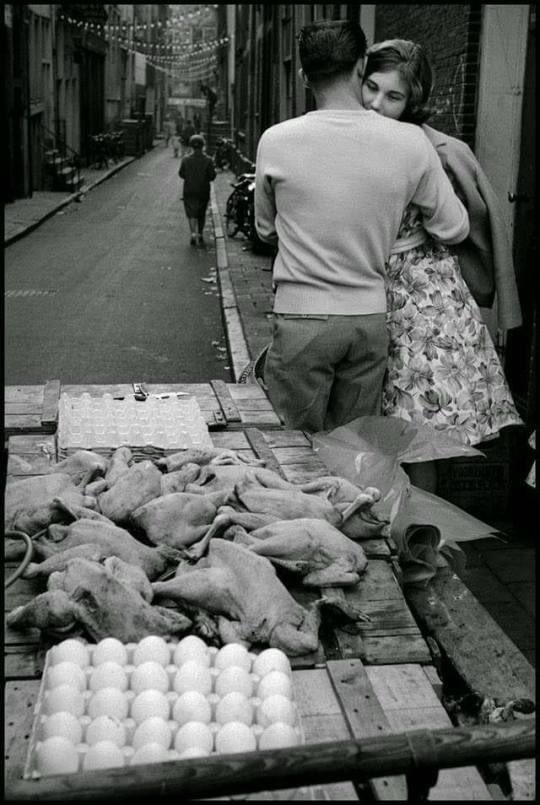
point(97, 423)
point(31, 770)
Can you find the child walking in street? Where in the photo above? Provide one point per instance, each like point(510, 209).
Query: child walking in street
point(197, 170)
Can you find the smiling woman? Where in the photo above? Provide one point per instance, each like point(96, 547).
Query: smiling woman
point(443, 368)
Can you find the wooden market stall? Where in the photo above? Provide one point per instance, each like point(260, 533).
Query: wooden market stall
point(379, 682)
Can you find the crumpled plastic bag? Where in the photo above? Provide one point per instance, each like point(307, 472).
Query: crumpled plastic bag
point(369, 451)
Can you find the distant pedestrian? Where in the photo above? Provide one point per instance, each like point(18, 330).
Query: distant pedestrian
point(187, 133)
point(197, 122)
point(169, 131)
point(197, 170)
point(176, 144)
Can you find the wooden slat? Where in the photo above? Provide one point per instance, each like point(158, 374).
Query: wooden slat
point(263, 450)
point(24, 661)
point(322, 720)
point(15, 424)
point(51, 397)
point(21, 697)
point(409, 702)
point(365, 717)
point(31, 395)
point(226, 402)
point(483, 654)
point(21, 408)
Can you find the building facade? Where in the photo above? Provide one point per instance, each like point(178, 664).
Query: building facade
point(74, 71)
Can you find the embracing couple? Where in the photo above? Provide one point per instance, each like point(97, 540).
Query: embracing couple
point(383, 260)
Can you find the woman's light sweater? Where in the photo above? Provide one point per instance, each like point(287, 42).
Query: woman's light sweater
point(332, 187)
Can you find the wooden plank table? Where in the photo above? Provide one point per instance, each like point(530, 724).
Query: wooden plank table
point(31, 409)
point(380, 680)
point(34, 409)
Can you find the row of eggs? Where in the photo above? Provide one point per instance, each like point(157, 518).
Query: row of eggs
point(150, 675)
point(156, 649)
point(189, 706)
point(59, 755)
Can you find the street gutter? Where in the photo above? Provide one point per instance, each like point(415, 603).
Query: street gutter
point(234, 331)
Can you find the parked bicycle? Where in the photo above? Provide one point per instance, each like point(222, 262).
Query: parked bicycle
point(240, 207)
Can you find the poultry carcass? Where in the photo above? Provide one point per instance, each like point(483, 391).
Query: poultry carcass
point(213, 477)
point(321, 554)
point(83, 464)
point(356, 519)
point(202, 456)
point(97, 597)
point(254, 607)
point(133, 488)
point(106, 539)
point(253, 506)
point(178, 480)
point(178, 519)
point(30, 504)
point(120, 462)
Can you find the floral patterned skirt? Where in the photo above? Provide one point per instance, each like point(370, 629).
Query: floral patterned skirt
point(443, 368)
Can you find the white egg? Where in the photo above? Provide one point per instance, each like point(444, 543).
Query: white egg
point(191, 648)
point(192, 706)
point(149, 675)
point(106, 728)
point(64, 697)
point(271, 659)
point(193, 751)
point(275, 682)
point(108, 702)
point(150, 703)
point(193, 676)
point(103, 755)
point(152, 730)
point(150, 753)
point(235, 737)
point(234, 678)
point(234, 707)
point(57, 755)
point(278, 736)
point(233, 654)
point(276, 708)
point(152, 648)
point(66, 673)
point(108, 675)
point(194, 735)
point(63, 725)
point(71, 651)
point(109, 650)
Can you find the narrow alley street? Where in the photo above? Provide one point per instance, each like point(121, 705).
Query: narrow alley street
point(114, 291)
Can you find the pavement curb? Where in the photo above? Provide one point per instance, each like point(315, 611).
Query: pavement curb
point(234, 331)
point(65, 201)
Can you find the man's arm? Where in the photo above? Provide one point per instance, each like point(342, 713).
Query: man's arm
point(444, 216)
point(265, 205)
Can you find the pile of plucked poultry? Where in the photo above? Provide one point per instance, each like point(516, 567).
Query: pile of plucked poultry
point(187, 543)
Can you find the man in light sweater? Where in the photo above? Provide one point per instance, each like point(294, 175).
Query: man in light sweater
point(331, 190)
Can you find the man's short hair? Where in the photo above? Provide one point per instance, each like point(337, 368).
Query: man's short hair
point(196, 141)
point(330, 48)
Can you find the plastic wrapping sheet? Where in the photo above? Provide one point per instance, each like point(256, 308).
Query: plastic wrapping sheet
point(369, 451)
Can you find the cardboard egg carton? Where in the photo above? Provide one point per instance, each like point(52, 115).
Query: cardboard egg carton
point(132, 707)
point(105, 423)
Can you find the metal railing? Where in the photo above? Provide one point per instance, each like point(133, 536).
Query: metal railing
point(65, 151)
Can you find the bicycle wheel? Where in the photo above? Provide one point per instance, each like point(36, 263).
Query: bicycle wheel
point(231, 215)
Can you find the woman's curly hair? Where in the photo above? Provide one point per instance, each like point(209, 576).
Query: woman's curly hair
point(410, 60)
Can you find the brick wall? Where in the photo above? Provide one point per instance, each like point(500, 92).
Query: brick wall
point(450, 35)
